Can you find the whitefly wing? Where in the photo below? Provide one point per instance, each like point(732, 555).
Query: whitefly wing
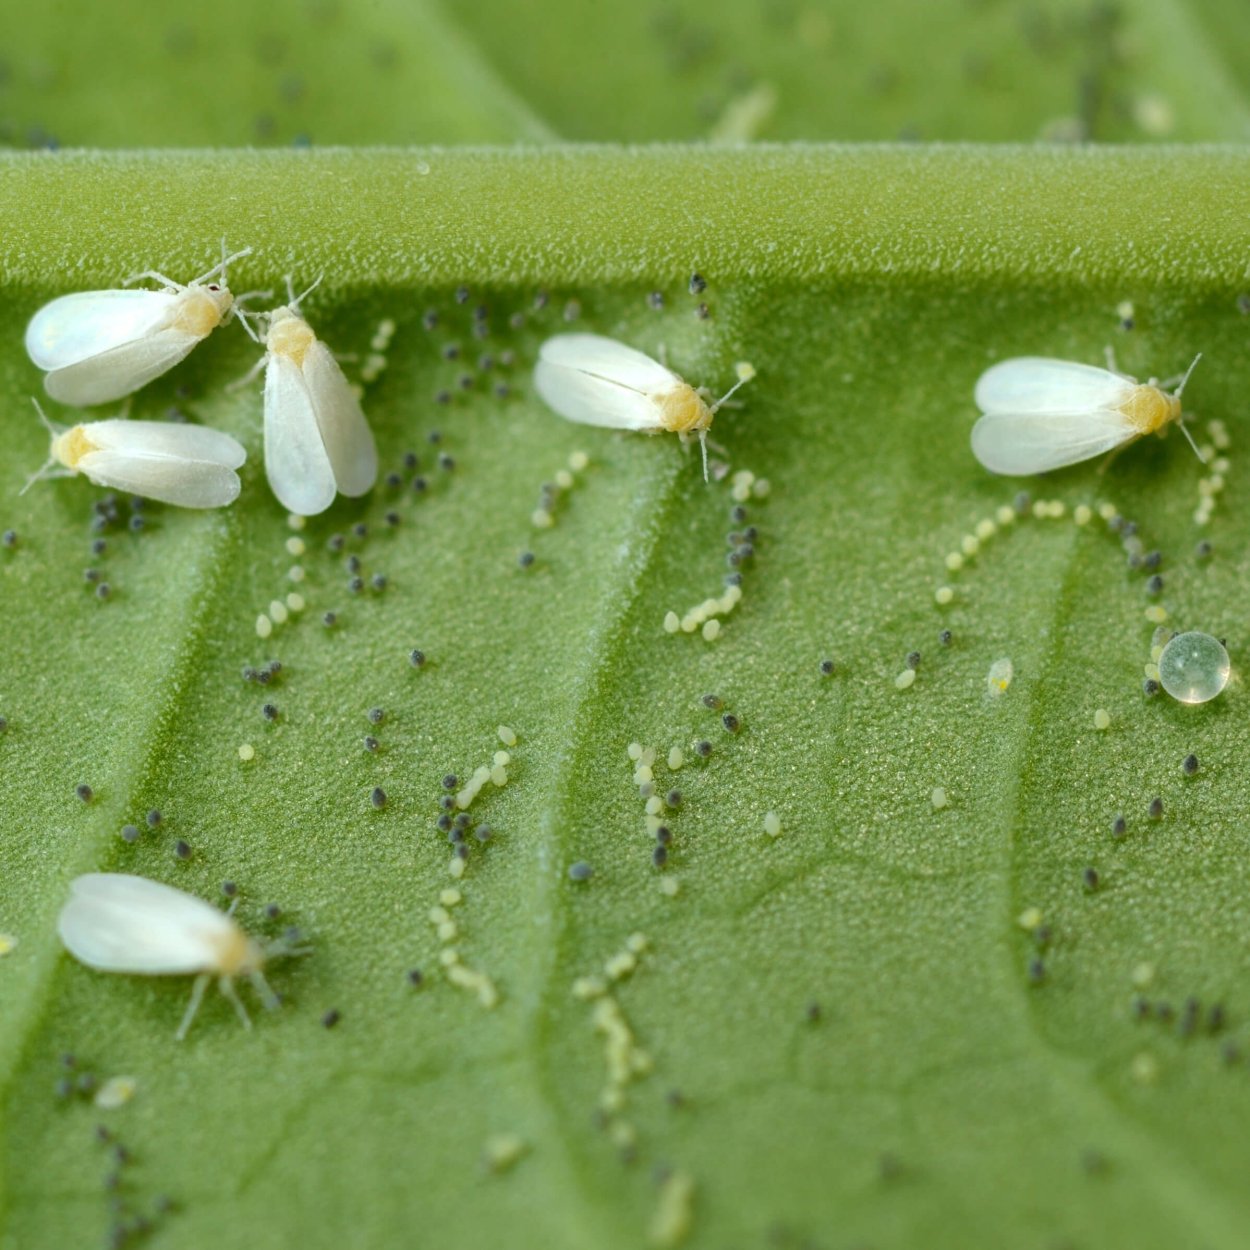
point(166, 438)
point(296, 462)
point(120, 923)
point(598, 381)
point(1016, 444)
point(121, 370)
point(345, 432)
point(1034, 384)
point(78, 327)
point(167, 479)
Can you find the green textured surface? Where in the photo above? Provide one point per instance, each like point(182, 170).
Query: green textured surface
point(932, 1047)
point(846, 1011)
point(420, 71)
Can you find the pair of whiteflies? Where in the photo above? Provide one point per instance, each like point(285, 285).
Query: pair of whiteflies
point(1038, 414)
point(100, 346)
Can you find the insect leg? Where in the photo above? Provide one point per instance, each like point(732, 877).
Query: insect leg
point(197, 997)
point(226, 985)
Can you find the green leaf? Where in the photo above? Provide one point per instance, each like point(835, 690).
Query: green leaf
point(420, 71)
point(845, 1039)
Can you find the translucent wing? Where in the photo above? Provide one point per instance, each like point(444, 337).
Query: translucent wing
point(345, 432)
point(161, 438)
point(77, 327)
point(120, 923)
point(1035, 442)
point(121, 370)
point(598, 381)
point(296, 462)
point(168, 479)
point(608, 359)
point(1034, 384)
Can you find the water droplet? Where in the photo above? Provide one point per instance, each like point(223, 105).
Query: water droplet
point(1194, 667)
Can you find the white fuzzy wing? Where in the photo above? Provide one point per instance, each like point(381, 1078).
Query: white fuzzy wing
point(345, 432)
point(296, 462)
point(120, 923)
point(77, 327)
point(598, 381)
point(167, 438)
point(167, 479)
point(1034, 384)
point(609, 359)
point(1017, 444)
point(121, 370)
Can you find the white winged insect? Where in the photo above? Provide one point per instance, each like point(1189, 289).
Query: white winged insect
point(598, 381)
point(317, 440)
point(114, 922)
point(189, 466)
point(1042, 414)
point(97, 346)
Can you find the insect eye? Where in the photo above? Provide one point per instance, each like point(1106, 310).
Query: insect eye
point(212, 286)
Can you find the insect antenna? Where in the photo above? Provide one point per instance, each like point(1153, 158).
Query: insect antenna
point(245, 313)
point(221, 266)
point(295, 300)
point(168, 283)
point(42, 472)
point(288, 945)
point(55, 431)
point(1185, 377)
point(1181, 420)
point(1185, 430)
point(729, 392)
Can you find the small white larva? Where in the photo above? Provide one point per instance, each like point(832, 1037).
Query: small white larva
point(1043, 414)
point(97, 346)
point(597, 381)
point(317, 441)
point(118, 923)
point(189, 466)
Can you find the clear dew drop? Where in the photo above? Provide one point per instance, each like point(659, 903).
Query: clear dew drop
point(1194, 667)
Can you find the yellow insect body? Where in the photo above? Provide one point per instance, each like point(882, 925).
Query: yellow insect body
point(289, 335)
point(1149, 409)
point(69, 448)
point(201, 310)
point(683, 410)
